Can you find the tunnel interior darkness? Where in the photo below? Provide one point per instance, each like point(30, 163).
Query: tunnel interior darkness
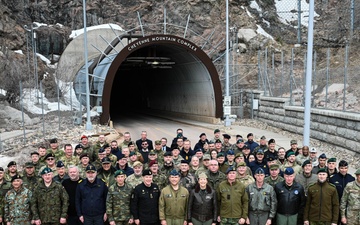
point(162, 77)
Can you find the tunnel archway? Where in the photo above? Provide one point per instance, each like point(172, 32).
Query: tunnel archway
point(165, 73)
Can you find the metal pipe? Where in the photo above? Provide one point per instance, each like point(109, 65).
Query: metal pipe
point(282, 73)
point(345, 74)
point(227, 120)
point(88, 119)
point(58, 99)
point(35, 65)
point(327, 76)
point(22, 113)
point(299, 22)
point(291, 71)
point(307, 110)
point(42, 109)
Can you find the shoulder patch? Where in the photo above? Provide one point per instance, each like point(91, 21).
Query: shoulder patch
point(312, 184)
point(332, 184)
point(80, 181)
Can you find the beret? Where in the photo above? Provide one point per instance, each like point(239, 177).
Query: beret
point(321, 170)
point(226, 136)
point(17, 176)
point(152, 162)
point(259, 171)
point(174, 173)
point(231, 168)
point(29, 164)
point(46, 170)
point(60, 164)
point(202, 134)
point(119, 172)
point(54, 140)
point(106, 160)
point(289, 171)
point(80, 146)
point(146, 172)
point(230, 152)
point(306, 162)
point(216, 131)
point(84, 155)
point(11, 163)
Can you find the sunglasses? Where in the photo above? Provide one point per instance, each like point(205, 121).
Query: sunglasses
point(50, 159)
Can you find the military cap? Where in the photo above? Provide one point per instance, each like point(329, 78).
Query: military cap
point(175, 146)
point(198, 150)
point(313, 150)
point(293, 142)
point(246, 147)
point(226, 136)
point(218, 141)
point(119, 172)
point(79, 146)
point(152, 152)
point(202, 134)
point(357, 172)
point(260, 151)
point(83, 136)
point(289, 171)
point(230, 152)
point(274, 166)
point(2, 169)
point(137, 163)
point(105, 146)
point(17, 176)
point(239, 140)
point(46, 170)
point(216, 131)
point(167, 153)
point(105, 160)
point(241, 164)
point(53, 140)
point(239, 136)
point(343, 163)
point(202, 175)
point(239, 155)
point(220, 154)
point(259, 171)
point(11, 163)
point(271, 141)
point(131, 143)
point(84, 155)
point(132, 153)
point(263, 138)
point(322, 156)
point(29, 165)
point(60, 164)
point(101, 150)
point(152, 162)
point(270, 159)
point(34, 153)
point(121, 156)
point(90, 168)
point(146, 173)
point(184, 161)
point(206, 157)
point(321, 170)
point(249, 135)
point(231, 168)
point(174, 173)
point(157, 142)
point(331, 160)
point(290, 154)
point(50, 155)
point(306, 162)
point(211, 142)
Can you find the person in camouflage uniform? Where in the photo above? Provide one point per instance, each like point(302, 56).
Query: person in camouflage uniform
point(106, 172)
point(350, 202)
point(168, 164)
point(135, 178)
point(159, 179)
point(30, 180)
point(242, 175)
point(100, 142)
point(215, 177)
point(17, 203)
point(84, 162)
point(11, 171)
point(35, 159)
point(98, 162)
point(111, 156)
point(118, 201)
point(50, 163)
point(68, 158)
point(54, 148)
point(61, 172)
point(274, 177)
point(152, 157)
point(187, 179)
point(87, 147)
point(4, 188)
point(159, 152)
point(42, 153)
point(50, 201)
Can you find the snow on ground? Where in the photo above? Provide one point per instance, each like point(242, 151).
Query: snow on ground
point(261, 31)
point(76, 33)
point(69, 96)
point(254, 5)
point(2, 91)
point(19, 52)
point(44, 59)
point(287, 11)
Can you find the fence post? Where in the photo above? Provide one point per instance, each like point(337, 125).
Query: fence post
point(345, 74)
point(282, 73)
point(22, 113)
point(291, 71)
point(352, 8)
point(327, 76)
point(299, 22)
point(58, 99)
point(42, 109)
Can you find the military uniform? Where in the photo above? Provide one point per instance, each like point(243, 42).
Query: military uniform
point(215, 179)
point(188, 181)
point(89, 150)
point(49, 204)
point(30, 182)
point(273, 182)
point(118, 203)
point(4, 188)
point(134, 180)
point(107, 176)
point(306, 180)
point(160, 180)
point(17, 206)
point(246, 180)
point(296, 167)
point(173, 205)
point(72, 160)
point(52, 168)
point(58, 154)
point(82, 171)
point(322, 204)
point(350, 203)
point(37, 166)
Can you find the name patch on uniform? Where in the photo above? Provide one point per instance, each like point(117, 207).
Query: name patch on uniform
point(208, 197)
point(183, 196)
point(168, 196)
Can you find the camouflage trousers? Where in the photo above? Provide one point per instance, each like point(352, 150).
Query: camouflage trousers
point(229, 221)
point(353, 217)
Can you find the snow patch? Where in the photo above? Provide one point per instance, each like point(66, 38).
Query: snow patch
point(19, 52)
point(254, 5)
point(261, 31)
point(44, 59)
point(248, 13)
point(287, 11)
point(76, 33)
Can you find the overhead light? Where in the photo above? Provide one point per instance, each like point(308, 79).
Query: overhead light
point(155, 63)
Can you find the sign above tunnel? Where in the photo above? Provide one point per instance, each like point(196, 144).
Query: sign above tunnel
point(161, 39)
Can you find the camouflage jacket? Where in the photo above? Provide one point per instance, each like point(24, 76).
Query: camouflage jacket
point(59, 153)
point(188, 181)
point(54, 171)
point(4, 188)
point(272, 182)
point(246, 181)
point(73, 160)
point(118, 203)
point(134, 180)
point(17, 206)
point(49, 204)
point(31, 182)
point(215, 179)
point(160, 180)
point(350, 201)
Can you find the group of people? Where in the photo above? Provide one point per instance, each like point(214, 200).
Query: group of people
point(215, 182)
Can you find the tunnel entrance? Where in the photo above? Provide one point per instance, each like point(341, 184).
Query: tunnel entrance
point(164, 73)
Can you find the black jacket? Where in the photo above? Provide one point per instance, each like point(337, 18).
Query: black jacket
point(202, 205)
point(291, 200)
point(145, 203)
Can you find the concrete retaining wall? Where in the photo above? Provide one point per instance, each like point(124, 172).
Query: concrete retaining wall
point(334, 127)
